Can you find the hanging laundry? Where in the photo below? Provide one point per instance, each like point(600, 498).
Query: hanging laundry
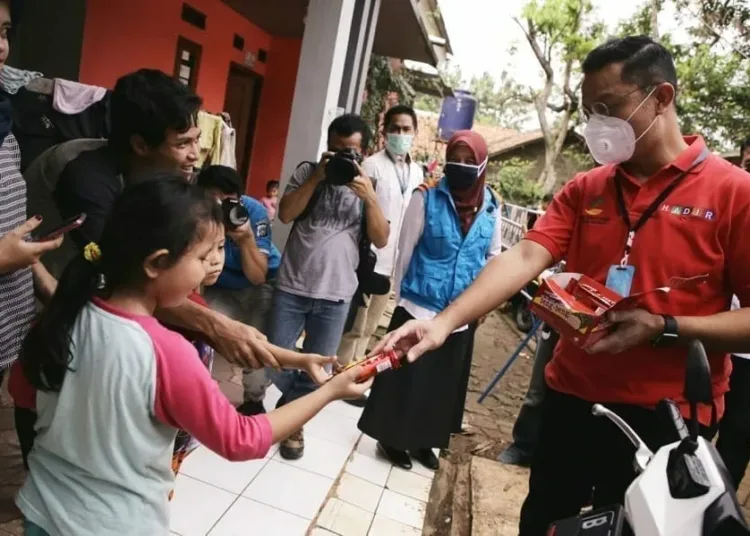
point(210, 141)
point(73, 98)
point(38, 126)
point(228, 143)
point(12, 79)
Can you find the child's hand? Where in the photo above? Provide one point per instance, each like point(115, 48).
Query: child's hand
point(315, 364)
point(344, 386)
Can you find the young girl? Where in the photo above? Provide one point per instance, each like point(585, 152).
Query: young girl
point(184, 443)
point(114, 384)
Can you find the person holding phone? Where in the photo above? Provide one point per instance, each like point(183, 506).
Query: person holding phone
point(20, 268)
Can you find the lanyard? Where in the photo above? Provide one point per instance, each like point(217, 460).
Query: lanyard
point(403, 173)
point(651, 209)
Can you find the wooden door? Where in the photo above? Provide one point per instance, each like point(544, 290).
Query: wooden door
point(241, 103)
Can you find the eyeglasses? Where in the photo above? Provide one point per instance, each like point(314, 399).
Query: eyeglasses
point(599, 108)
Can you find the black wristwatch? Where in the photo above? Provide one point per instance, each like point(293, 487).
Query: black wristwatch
point(669, 336)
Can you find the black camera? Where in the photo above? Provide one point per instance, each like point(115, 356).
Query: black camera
point(342, 167)
point(235, 214)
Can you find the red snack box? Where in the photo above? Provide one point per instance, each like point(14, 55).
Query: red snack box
point(576, 306)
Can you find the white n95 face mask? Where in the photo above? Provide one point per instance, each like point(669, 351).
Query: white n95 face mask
point(612, 140)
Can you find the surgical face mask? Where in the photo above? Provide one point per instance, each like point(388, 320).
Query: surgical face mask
point(463, 176)
point(612, 140)
point(399, 144)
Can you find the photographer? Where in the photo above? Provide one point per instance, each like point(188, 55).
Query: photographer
point(332, 204)
point(245, 287)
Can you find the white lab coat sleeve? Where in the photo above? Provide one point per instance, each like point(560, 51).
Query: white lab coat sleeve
point(411, 231)
point(496, 245)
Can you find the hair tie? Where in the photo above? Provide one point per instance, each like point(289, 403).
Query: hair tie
point(92, 252)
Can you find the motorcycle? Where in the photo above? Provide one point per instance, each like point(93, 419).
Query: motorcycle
point(683, 489)
point(519, 304)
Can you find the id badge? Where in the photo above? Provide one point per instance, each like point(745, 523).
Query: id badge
point(620, 279)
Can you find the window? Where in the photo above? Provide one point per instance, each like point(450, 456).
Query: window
point(187, 62)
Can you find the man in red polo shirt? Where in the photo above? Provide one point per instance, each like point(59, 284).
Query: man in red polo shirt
point(684, 214)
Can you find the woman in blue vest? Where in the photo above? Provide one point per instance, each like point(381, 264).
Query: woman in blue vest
point(449, 233)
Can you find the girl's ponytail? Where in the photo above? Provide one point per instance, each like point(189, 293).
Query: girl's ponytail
point(46, 352)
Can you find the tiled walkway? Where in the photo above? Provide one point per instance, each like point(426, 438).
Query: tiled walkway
point(340, 486)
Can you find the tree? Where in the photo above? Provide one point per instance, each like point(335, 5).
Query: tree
point(560, 34)
point(511, 179)
point(497, 100)
point(712, 73)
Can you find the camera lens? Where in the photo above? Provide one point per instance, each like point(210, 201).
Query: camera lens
point(235, 214)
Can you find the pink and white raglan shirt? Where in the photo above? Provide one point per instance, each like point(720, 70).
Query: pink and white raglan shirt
point(101, 462)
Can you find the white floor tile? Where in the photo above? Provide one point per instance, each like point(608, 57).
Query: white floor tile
point(290, 489)
point(250, 517)
point(197, 506)
point(317, 531)
point(359, 492)
point(370, 469)
point(334, 428)
point(382, 526)
point(212, 469)
point(368, 446)
point(402, 509)
point(344, 518)
point(409, 483)
point(272, 396)
point(321, 457)
point(272, 451)
point(339, 407)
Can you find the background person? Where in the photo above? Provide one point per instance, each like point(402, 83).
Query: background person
point(153, 128)
point(745, 155)
point(526, 428)
point(734, 428)
point(448, 234)
point(21, 272)
point(318, 274)
point(244, 289)
point(271, 198)
point(397, 176)
point(632, 80)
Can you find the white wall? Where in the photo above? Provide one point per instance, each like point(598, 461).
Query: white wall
point(316, 93)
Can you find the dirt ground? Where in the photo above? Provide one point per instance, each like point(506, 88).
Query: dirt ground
point(491, 425)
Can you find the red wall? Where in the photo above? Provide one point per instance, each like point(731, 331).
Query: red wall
point(121, 37)
point(274, 113)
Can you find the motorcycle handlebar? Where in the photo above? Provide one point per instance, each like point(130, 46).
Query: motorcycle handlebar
point(668, 411)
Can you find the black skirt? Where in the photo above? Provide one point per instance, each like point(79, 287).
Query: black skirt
point(416, 406)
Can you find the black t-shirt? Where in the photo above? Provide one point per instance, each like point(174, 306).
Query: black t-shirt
point(89, 183)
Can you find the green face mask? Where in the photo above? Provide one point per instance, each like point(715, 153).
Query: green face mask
point(399, 144)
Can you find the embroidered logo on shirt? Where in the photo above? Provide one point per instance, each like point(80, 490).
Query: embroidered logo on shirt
point(692, 212)
point(262, 229)
point(594, 208)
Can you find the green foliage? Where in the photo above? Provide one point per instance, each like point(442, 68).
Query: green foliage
point(498, 101)
point(512, 179)
point(382, 80)
point(713, 77)
point(714, 95)
point(565, 26)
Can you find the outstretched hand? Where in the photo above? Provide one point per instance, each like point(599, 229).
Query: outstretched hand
point(414, 338)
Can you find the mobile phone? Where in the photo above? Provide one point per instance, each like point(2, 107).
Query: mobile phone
point(73, 223)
